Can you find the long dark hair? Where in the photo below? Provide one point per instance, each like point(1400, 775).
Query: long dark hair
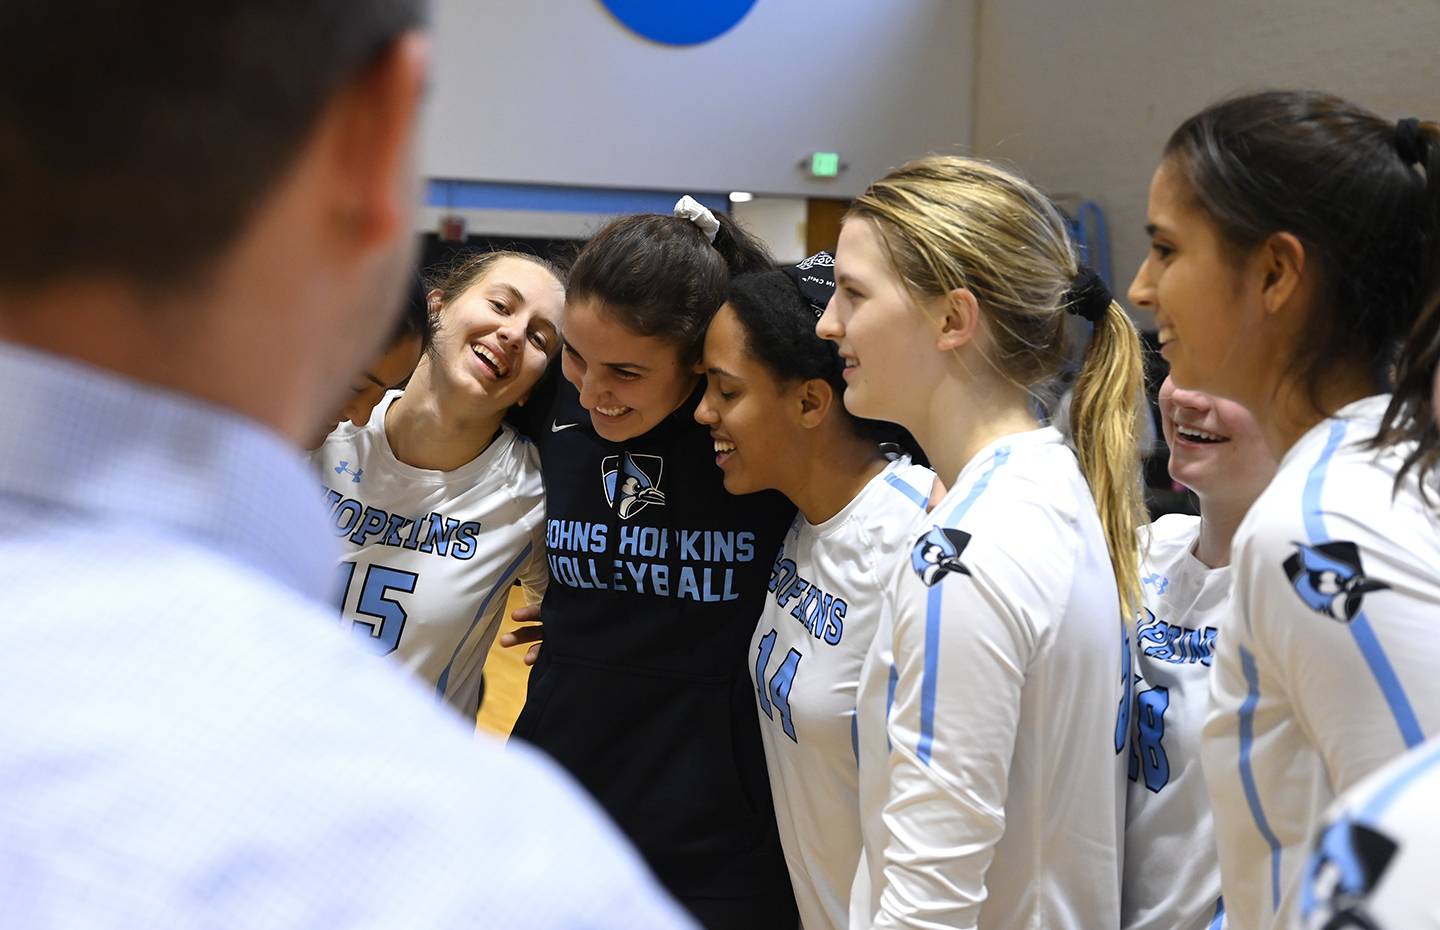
point(660, 276)
point(1344, 181)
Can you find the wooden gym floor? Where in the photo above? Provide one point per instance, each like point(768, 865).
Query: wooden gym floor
point(506, 675)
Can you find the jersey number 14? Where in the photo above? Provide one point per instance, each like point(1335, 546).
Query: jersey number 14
point(775, 696)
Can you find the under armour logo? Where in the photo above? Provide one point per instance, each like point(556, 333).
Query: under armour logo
point(1156, 581)
point(344, 469)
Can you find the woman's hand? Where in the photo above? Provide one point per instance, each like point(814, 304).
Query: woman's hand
point(526, 634)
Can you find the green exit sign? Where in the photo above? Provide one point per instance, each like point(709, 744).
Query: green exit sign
point(825, 164)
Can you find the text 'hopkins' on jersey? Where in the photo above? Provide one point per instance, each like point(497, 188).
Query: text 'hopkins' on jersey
point(642, 559)
point(434, 533)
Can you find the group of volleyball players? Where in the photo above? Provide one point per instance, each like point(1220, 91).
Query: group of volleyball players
point(815, 682)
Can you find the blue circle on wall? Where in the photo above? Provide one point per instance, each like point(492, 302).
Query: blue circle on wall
point(679, 22)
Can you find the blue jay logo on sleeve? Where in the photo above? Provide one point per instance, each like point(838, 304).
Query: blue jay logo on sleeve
point(1330, 579)
point(937, 554)
point(1349, 861)
point(344, 469)
point(632, 482)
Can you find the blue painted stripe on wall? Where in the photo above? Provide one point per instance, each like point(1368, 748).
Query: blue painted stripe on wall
point(489, 195)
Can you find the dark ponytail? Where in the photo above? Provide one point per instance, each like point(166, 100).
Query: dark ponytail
point(743, 253)
point(660, 275)
point(1410, 418)
point(1334, 175)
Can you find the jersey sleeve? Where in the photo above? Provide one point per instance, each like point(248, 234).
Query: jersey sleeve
point(534, 574)
point(1349, 642)
point(961, 653)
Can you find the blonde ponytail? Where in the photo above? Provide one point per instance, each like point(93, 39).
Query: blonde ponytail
point(1103, 416)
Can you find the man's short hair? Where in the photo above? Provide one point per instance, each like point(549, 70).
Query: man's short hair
point(137, 137)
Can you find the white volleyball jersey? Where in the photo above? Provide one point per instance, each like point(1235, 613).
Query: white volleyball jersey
point(430, 555)
point(825, 595)
point(1373, 865)
point(1329, 665)
point(992, 736)
point(1172, 876)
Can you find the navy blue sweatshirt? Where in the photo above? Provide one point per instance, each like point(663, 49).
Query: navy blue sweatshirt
point(657, 576)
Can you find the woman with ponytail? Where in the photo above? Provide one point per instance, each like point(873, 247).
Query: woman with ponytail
point(656, 573)
point(1293, 246)
point(993, 704)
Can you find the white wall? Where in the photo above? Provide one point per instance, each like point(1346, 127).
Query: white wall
point(779, 222)
point(558, 92)
point(1082, 95)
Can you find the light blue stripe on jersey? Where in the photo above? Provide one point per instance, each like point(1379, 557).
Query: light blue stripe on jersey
point(1397, 785)
point(504, 583)
point(890, 702)
point(1335, 842)
point(920, 500)
point(1247, 773)
point(1219, 920)
point(1360, 628)
point(932, 616)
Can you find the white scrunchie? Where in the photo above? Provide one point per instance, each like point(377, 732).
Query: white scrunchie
point(688, 208)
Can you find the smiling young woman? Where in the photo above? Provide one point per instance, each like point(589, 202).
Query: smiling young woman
point(438, 503)
point(1294, 243)
point(657, 574)
point(1172, 876)
point(773, 406)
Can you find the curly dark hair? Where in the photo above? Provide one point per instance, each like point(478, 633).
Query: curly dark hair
point(779, 328)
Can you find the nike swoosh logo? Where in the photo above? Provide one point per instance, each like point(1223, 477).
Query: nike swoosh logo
point(556, 426)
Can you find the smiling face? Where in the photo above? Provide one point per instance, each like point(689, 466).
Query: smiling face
point(629, 383)
point(495, 339)
point(1215, 445)
point(1208, 313)
point(887, 343)
point(754, 418)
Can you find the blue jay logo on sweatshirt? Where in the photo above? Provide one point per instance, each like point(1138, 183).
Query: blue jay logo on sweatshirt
point(632, 482)
point(937, 554)
point(1329, 578)
point(1348, 863)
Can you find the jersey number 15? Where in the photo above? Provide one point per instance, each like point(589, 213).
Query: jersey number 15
point(380, 618)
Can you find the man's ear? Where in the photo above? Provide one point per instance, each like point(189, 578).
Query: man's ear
point(368, 134)
point(958, 315)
